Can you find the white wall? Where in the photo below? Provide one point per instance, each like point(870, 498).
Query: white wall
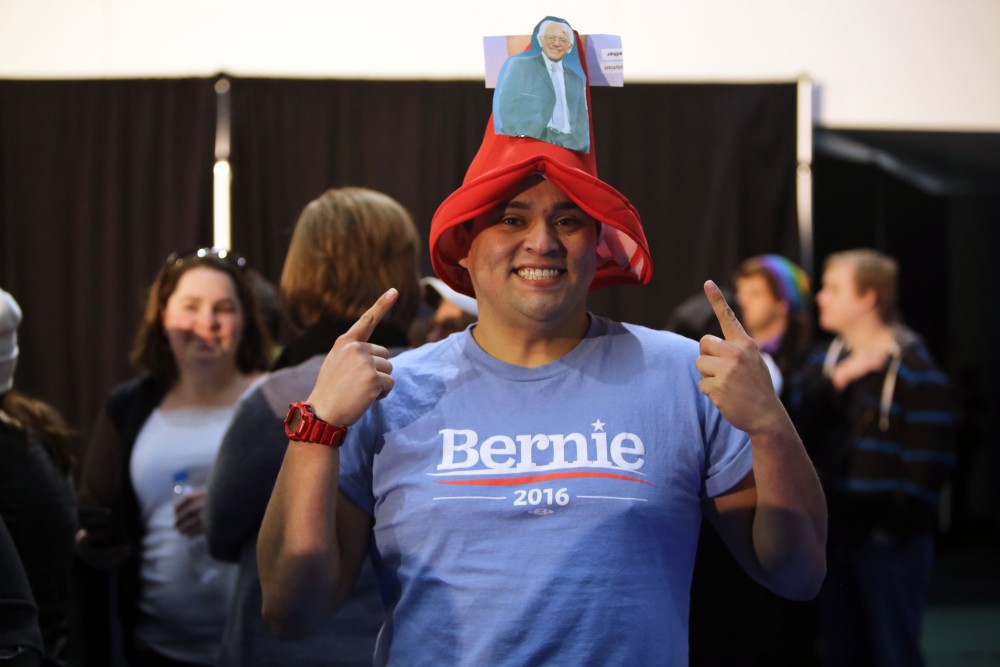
point(886, 64)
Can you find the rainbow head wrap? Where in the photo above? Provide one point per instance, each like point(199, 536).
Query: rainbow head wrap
point(791, 281)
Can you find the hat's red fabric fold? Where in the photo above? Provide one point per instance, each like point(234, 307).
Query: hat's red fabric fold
point(501, 164)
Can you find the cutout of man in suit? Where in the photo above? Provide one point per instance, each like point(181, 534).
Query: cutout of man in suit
point(542, 94)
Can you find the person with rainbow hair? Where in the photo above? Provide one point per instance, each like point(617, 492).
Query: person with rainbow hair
point(775, 306)
point(734, 620)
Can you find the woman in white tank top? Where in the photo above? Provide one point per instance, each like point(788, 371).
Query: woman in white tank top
point(201, 346)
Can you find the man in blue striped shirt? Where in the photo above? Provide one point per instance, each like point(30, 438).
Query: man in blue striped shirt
point(875, 413)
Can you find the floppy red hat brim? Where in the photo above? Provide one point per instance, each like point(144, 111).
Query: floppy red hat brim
point(622, 252)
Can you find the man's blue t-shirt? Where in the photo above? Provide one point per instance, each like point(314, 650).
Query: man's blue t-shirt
point(550, 515)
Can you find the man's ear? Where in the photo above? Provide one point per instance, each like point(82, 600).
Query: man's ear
point(462, 236)
point(870, 298)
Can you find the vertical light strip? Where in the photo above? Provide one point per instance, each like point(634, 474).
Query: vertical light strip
point(803, 173)
point(222, 177)
point(221, 218)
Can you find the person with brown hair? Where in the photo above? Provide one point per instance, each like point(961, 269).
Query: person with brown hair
point(877, 417)
point(349, 245)
point(346, 244)
point(200, 345)
point(37, 501)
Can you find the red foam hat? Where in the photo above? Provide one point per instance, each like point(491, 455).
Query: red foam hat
point(501, 164)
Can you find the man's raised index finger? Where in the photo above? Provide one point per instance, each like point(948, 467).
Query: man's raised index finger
point(363, 328)
point(731, 326)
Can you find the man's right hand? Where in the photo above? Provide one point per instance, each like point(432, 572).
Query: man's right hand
point(311, 544)
point(355, 373)
point(858, 364)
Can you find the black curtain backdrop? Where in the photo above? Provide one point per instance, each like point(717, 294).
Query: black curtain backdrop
point(100, 180)
point(711, 168)
point(293, 139)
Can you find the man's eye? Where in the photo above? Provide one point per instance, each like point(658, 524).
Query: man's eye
point(510, 220)
point(569, 223)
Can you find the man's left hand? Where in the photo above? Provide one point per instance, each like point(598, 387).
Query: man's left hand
point(735, 376)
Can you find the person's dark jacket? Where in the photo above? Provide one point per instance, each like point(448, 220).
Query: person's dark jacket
point(20, 636)
point(38, 505)
point(242, 479)
point(884, 447)
point(105, 482)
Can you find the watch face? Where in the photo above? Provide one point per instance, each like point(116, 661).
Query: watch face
point(303, 425)
point(295, 420)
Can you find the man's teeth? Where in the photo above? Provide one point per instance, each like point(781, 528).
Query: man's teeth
point(538, 274)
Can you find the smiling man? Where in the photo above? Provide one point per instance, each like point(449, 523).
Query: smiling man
point(531, 262)
point(532, 487)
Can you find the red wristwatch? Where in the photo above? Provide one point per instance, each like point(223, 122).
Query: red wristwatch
point(302, 425)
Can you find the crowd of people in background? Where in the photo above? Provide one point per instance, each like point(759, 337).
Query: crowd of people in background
point(873, 409)
point(193, 533)
point(167, 577)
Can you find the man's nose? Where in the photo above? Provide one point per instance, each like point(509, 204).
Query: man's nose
point(541, 237)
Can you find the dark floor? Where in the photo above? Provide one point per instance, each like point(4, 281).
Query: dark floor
point(962, 624)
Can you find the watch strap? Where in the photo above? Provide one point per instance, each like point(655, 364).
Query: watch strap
point(310, 428)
